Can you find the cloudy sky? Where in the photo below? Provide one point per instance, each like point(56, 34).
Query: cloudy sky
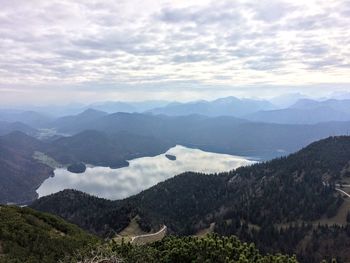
point(85, 50)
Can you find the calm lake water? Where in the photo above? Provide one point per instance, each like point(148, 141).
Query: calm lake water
point(141, 174)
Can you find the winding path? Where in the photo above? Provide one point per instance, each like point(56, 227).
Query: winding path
point(343, 192)
point(338, 189)
point(161, 233)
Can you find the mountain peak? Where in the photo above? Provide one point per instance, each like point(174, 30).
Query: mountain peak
point(91, 111)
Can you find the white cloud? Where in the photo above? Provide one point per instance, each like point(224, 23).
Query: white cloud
point(62, 47)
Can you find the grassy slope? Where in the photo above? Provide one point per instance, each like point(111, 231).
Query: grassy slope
point(30, 236)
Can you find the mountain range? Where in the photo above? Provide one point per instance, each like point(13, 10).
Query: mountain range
point(103, 139)
point(229, 106)
point(303, 111)
point(306, 112)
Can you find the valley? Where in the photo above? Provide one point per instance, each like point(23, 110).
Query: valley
point(161, 131)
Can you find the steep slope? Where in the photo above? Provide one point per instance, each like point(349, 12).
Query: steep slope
point(20, 174)
point(30, 236)
point(97, 215)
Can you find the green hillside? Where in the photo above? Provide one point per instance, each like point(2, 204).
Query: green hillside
point(30, 236)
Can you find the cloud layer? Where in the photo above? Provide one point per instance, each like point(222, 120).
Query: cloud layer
point(145, 49)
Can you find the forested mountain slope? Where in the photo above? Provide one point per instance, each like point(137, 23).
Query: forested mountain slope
point(250, 202)
point(20, 174)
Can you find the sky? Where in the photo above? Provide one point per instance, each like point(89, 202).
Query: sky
point(84, 50)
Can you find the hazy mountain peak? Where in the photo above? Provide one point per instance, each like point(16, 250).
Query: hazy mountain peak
point(305, 103)
point(229, 99)
point(92, 112)
point(228, 106)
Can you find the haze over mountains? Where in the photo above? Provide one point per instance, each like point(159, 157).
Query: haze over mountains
point(229, 106)
point(295, 111)
point(244, 127)
point(306, 111)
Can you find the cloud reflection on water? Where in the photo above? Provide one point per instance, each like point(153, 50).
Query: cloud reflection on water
point(141, 174)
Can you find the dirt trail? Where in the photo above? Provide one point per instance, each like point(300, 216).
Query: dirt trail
point(149, 238)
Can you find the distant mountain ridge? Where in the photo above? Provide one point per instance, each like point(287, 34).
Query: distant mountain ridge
point(31, 118)
point(300, 116)
point(79, 120)
point(302, 111)
point(306, 111)
point(8, 127)
point(337, 105)
point(223, 134)
point(229, 106)
point(130, 107)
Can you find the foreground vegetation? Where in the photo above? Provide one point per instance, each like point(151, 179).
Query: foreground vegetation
point(183, 250)
point(30, 236)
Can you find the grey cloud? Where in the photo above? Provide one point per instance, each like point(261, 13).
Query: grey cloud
point(314, 49)
point(312, 22)
point(189, 58)
point(75, 54)
point(264, 63)
point(217, 13)
point(271, 10)
point(320, 63)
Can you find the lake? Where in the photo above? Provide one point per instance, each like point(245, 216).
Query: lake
point(141, 174)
